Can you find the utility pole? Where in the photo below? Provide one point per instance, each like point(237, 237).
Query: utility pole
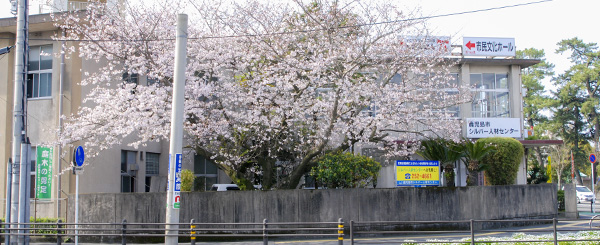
point(19, 112)
point(175, 147)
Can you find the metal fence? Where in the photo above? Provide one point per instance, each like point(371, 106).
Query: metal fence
point(358, 232)
point(469, 229)
point(127, 232)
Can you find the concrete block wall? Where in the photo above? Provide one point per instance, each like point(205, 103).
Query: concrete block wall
point(394, 204)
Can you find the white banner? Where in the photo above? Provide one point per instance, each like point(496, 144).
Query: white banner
point(488, 46)
point(493, 127)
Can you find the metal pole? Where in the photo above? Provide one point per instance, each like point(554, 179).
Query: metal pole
point(8, 195)
point(123, 232)
point(76, 208)
point(265, 233)
point(352, 232)
point(192, 232)
point(340, 231)
point(472, 232)
point(23, 193)
point(60, 112)
point(58, 232)
point(555, 232)
point(175, 148)
point(19, 131)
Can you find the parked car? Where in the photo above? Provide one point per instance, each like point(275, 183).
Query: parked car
point(224, 187)
point(583, 193)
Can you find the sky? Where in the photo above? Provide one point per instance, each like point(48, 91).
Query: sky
point(539, 25)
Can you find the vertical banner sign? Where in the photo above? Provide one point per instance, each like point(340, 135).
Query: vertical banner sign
point(177, 184)
point(549, 171)
point(572, 167)
point(43, 172)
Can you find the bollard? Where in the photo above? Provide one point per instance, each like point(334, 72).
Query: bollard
point(555, 231)
point(58, 232)
point(340, 231)
point(472, 232)
point(123, 232)
point(352, 232)
point(265, 233)
point(192, 232)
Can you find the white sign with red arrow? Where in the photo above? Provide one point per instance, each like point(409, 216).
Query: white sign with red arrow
point(488, 46)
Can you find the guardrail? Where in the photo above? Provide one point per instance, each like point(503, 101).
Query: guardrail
point(469, 228)
point(113, 232)
point(393, 231)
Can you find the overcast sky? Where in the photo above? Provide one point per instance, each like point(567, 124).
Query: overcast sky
point(539, 25)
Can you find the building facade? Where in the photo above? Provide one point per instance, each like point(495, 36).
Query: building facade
point(54, 90)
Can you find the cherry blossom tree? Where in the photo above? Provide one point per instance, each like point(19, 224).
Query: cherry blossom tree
point(269, 84)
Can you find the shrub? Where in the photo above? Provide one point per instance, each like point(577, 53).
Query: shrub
point(561, 200)
point(187, 180)
point(346, 170)
point(503, 164)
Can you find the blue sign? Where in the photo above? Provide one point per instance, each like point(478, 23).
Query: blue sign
point(592, 158)
point(79, 156)
point(178, 166)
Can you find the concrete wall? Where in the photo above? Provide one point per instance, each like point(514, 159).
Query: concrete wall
point(398, 204)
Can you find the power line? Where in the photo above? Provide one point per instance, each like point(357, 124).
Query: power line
point(298, 31)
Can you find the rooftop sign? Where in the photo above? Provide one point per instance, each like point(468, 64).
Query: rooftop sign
point(488, 46)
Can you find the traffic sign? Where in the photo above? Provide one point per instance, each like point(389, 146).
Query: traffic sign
point(79, 156)
point(592, 158)
point(78, 170)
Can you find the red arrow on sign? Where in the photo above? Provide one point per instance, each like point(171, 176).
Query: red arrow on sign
point(470, 45)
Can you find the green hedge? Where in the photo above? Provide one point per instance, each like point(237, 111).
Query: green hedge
point(43, 223)
point(502, 165)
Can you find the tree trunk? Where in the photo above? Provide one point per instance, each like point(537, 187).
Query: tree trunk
point(473, 177)
point(268, 170)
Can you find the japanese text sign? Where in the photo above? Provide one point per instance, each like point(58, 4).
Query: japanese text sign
point(488, 46)
point(177, 181)
point(417, 173)
point(493, 127)
point(43, 172)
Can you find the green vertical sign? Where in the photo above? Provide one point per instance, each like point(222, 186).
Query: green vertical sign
point(43, 172)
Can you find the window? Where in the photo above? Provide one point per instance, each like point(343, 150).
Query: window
point(39, 75)
point(130, 77)
point(205, 169)
point(151, 168)
point(491, 95)
point(128, 163)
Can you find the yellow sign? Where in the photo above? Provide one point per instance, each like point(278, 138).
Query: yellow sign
point(417, 173)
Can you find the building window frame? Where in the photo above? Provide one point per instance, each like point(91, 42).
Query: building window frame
point(205, 168)
point(39, 72)
point(492, 96)
point(152, 167)
point(128, 177)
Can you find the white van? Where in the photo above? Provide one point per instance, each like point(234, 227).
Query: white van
point(583, 193)
point(224, 187)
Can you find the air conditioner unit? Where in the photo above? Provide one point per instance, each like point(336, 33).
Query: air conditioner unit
point(133, 167)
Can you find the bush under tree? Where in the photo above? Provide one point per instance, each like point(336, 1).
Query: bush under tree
point(346, 170)
point(503, 163)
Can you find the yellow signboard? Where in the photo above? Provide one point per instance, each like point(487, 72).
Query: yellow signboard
point(417, 173)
